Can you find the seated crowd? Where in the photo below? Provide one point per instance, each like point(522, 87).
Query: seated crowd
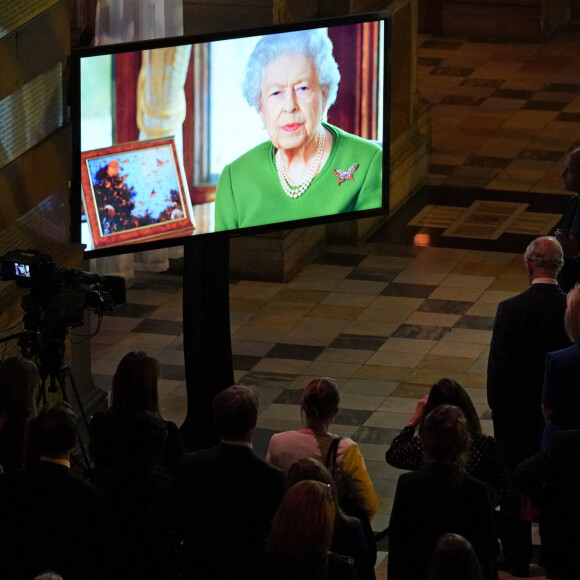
point(153, 511)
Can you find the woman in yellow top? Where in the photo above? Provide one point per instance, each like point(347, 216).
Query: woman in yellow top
point(319, 405)
point(308, 168)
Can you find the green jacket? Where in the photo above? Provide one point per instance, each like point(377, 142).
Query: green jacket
point(249, 191)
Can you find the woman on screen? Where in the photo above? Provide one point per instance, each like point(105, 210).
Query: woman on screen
point(309, 168)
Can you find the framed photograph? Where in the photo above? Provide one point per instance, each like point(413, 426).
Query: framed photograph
point(135, 192)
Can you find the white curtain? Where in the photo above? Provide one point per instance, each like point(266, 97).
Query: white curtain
point(124, 21)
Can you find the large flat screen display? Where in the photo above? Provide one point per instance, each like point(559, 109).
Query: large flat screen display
point(238, 133)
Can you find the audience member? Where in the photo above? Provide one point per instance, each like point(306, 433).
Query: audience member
point(135, 482)
point(52, 520)
point(454, 559)
point(561, 396)
point(221, 501)
point(526, 328)
point(485, 461)
point(551, 479)
point(18, 386)
point(49, 576)
point(568, 232)
point(349, 538)
point(440, 498)
point(319, 406)
point(134, 390)
point(302, 530)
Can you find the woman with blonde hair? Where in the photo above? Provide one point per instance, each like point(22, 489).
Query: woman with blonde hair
point(301, 536)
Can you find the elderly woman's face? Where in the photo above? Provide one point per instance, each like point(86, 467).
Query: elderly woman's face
point(293, 101)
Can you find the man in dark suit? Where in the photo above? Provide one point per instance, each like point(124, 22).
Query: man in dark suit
point(568, 232)
point(49, 518)
point(552, 479)
point(527, 327)
point(219, 505)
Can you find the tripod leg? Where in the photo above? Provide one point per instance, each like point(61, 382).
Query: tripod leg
point(62, 380)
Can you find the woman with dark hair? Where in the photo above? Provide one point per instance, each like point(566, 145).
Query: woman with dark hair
point(301, 536)
point(485, 461)
point(454, 559)
point(440, 498)
point(134, 390)
point(348, 538)
point(18, 384)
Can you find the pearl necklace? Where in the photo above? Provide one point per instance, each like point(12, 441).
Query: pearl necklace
point(289, 188)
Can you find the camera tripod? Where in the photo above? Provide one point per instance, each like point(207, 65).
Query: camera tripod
point(56, 379)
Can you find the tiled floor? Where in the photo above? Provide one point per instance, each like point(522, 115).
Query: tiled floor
point(416, 302)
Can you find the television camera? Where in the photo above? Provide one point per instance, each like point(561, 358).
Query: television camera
point(56, 301)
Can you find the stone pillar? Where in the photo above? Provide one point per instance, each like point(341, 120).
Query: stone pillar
point(500, 20)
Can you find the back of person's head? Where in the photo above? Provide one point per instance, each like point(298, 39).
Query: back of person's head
point(135, 385)
point(304, 523)
point(446, 440)
point(320, 399)
point(18, 383)
point(572, 316)
point(235, 411)
point(49, 576)
point(310, 468)
point(450, 392)
point(143, 440)
point(454, 559)
point(55, 430)
point(546, 254)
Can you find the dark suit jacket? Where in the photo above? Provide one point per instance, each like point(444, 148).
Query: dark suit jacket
point(561, 391)
point(52, 520)
point(424, 508)
point(570, 273)
point(527, 327)
point(220, 503)
point(552, 480)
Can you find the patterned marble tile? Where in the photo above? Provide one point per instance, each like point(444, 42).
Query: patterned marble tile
point(475, 322)
point(353, 417)
point(457, 349)
point(408, 290)
point(421, 332)
point(382, 388)
point(332, 369)
point(446, 364)
point(160, 327)
point(444, 306)
point(294, 351)
point(344, 355)
point(339, 258)
point(281, 365)
point(244, 362)
point(132, 310)
point(433, 319)
point(357, 341)
point(408, 345)
point(375, 435)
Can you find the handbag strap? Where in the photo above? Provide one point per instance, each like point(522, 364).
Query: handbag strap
point(330, 461)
